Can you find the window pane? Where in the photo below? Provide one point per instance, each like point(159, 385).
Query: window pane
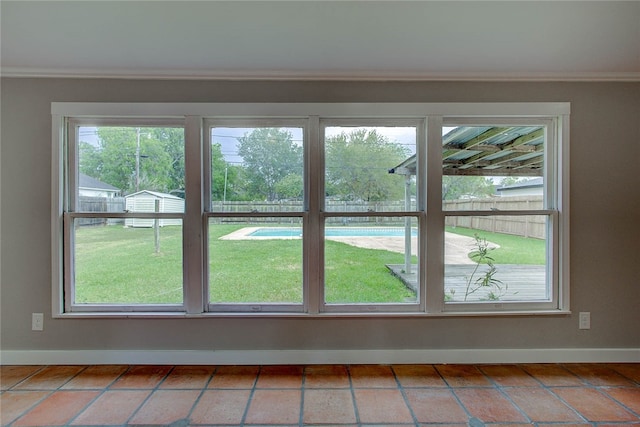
point(255, 260)
point(366, 169)
point(371, 260)
point(134, 169)
point(493, 168)
point(496, 258)
point(258, 168)
point(133, 264)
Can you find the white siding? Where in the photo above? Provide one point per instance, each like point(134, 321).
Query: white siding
point(145, 202)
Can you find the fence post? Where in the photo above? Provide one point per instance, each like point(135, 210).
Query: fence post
point(156, 226)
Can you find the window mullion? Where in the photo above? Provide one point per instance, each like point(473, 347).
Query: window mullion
point(193, 224)
point(434, 262)
point(313, 251)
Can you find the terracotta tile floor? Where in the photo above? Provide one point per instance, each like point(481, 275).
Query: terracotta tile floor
point(337, 395)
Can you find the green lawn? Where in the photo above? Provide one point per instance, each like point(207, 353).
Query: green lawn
point(119, 265)
point(512, 250)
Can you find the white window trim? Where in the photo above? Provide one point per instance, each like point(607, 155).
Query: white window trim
point(551, 184)
point(194, 115)
point(70, 213)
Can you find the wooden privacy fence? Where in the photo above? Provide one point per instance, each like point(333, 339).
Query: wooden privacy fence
point(100, 204)
point(519, 225)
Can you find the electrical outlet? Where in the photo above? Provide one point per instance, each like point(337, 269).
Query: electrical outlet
point(37, 321)
point(584, 320)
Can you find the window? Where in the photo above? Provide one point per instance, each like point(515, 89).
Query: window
point(310, 209)
point(124, 204)
point(255, 218)
point(370, 218)
point(497, 199)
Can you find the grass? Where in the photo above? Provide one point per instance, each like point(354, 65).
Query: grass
point(356, 275)
point(512, 250)
point(119, 265)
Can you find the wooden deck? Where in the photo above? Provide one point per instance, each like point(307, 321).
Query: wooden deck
point(523, 282)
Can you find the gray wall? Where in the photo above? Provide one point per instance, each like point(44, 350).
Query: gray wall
point(605, 213)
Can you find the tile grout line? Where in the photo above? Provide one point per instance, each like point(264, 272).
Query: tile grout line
point(548, 388)
point(202, 391)
point(602, 391)
point(501, 389)
point(353, 395)
point(26, 378)
point(243, 420)
point(302, 393)
point(151, 391)
point(404, 396)
point(33, 406)
point(584, 384)
point(456, 397)
point(52, 392)
point(102, 392)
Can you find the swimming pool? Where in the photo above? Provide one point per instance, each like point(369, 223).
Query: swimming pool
point(334, 232)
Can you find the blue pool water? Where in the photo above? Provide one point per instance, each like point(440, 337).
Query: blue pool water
point(335, 232)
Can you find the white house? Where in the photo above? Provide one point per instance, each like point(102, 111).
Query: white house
point(91, 187)
point(531, 187)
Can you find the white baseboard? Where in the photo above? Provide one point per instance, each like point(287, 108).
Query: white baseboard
point(310, 357)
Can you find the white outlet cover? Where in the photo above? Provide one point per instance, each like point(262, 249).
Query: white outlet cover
point(584, 320)
point(37, 321)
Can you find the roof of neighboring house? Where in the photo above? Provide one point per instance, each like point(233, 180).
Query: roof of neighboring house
point(85, 181)
point(535, 182)
point(488, 151)
point(154, 194)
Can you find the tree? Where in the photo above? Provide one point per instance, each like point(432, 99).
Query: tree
point(291, 186)
point(269, 155)
point(510, 180)
point(172, 139)
point(225, 178)
point(457, 186)
point(358, 165)
point(159, 151)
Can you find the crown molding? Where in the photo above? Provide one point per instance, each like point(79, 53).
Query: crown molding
point(282, 75)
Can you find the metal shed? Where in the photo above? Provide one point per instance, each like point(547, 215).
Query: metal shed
point(145, 202)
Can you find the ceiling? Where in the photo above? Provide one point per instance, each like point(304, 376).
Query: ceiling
point(429, 40)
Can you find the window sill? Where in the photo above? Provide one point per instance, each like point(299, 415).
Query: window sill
point(263, 315)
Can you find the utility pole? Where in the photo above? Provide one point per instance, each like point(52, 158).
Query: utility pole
point(224, 194)
point(137, 160)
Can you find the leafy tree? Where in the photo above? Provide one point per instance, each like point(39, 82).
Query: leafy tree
point(457, 186)
point(290, 187)
point(510, 180)
point(172, 139)
point(113, 159)
point(269, 155)
point(358, 165)
point(224, 175)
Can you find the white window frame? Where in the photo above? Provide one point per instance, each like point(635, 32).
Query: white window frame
point(419, 214)
point(430, 213)
point(550, 210)
point(71, 213)
point(257, 306)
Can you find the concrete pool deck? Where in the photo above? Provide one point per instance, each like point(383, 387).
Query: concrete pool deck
point(457, 247)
